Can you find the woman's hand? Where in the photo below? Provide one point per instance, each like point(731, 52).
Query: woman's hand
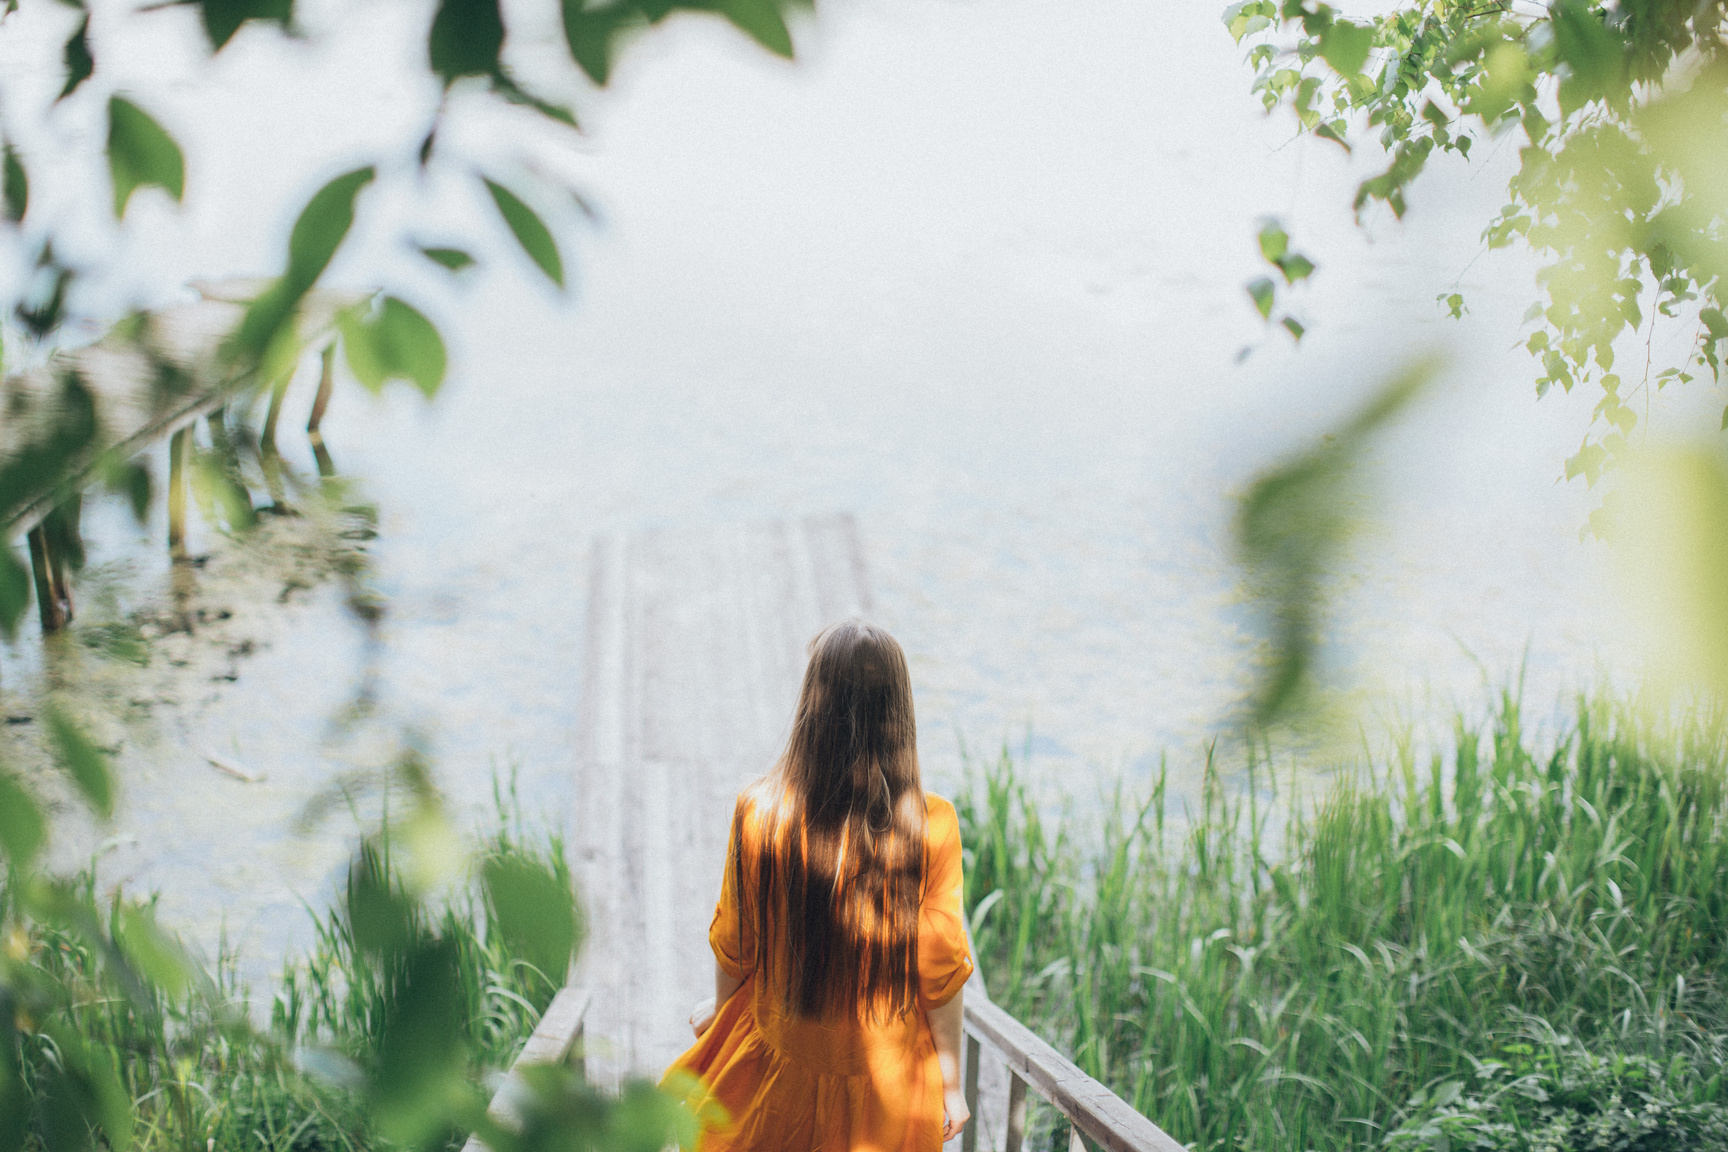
point(702, 1018)
point(955, 1114)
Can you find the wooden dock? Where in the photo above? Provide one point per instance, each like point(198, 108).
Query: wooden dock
point(695, 648)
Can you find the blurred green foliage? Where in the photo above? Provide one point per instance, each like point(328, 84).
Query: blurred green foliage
point(382, 1036)
point(1622, 112)
point(1291, 529)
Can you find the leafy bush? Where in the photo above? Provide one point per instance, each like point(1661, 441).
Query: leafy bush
point(1564, 1099)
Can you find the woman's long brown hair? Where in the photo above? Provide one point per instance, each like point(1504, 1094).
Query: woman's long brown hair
point(840, 868)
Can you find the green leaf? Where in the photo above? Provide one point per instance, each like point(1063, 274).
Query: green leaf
point(531, 233)
point(1293, 326)
point(155, 954)
point(1334, 132)
point(266, 330)
point(514, 93)
point(395, 343)
point(79, 64)
point(21, 825)
point(1594, 55)
point(14, 591)
point(1345, 46)
point(221, 494)
point(1714, 322)
point(381, 917)
point(1274, 241)
point(593, 34)
point(141, 152)
point(81, 760)
point(1264, 292)
point(452, 258)
point(323, 224)
point(466, 39)
point(15, 185)
point(535, 912)
point(80, 1092)
point(419, 1079)
point(132, 479)
point(223, 18)
point(1295, 266)
point(762, 22)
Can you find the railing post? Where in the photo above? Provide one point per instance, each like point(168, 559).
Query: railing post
point(1075, 1142)
point(974, 1050)
point(1016, 1113)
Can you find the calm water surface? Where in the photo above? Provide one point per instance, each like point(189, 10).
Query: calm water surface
point(972, 271)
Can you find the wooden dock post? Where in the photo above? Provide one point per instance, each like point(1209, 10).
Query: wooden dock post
point(179, 447)
point(56, 549)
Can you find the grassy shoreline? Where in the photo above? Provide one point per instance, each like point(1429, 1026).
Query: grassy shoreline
point(181, 1064)
point(1515, 946)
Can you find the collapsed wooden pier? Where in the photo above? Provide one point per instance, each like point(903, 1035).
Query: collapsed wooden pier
point(81, 417)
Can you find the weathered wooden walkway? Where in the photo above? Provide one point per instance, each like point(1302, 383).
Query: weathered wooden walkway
point(696, 645)
point(695, 650)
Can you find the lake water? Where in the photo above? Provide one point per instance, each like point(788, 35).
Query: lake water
point(972, 271)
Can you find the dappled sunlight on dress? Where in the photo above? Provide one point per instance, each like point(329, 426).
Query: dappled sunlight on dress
point(792, 1085)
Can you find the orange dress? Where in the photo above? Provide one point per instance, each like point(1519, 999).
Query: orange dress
point(792, 1085)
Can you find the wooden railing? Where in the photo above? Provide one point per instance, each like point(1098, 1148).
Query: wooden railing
point(1095, 1113)
point(556, 1039)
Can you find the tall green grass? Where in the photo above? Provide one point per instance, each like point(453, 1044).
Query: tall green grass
point(1511, 946)
point(203, 1075)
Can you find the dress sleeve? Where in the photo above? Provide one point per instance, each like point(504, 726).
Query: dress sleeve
point(944, 961)
point(732, 934)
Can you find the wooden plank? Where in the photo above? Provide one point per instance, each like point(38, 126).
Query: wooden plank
point(694, 651)
point(1102, 1116)
point(559, 1030)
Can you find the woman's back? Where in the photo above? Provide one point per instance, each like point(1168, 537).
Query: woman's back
point(843, 1044)
point(839, 942)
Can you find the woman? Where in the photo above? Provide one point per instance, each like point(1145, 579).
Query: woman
point(839, 943)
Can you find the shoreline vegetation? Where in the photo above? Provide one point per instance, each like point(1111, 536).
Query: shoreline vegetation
point(181, 1042)
point(1521, 944)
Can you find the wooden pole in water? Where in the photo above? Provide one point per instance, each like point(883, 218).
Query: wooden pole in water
point(65, 550)
point(177, 449)
point(326, 381)
point(268, 440)
point(48, 566)
point(46, 604)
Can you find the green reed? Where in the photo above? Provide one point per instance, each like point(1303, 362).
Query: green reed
point(202, 1075)
point(1428, 952)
